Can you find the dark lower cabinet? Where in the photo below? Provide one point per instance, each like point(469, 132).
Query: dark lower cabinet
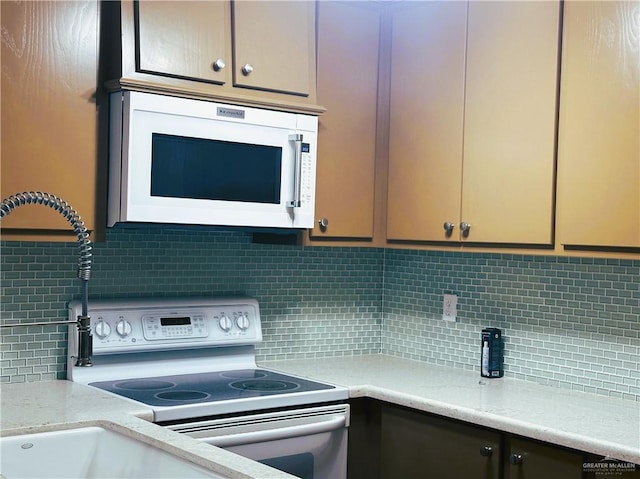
point(418, 446)
point(363, 460)
point(526, 459)
point(393, 442)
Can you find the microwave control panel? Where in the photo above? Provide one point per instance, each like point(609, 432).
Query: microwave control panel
point(307, 175)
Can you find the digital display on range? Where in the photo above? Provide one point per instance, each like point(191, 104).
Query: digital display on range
point(182, 321)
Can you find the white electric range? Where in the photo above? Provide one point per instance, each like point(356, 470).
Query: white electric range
point(192, 361)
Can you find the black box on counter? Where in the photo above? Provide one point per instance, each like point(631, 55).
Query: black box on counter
point(492, 357)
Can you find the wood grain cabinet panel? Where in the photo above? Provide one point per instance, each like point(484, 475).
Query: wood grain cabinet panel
point(348, 49)
point(428, 51)
point(473, 122)
point(510, 121)
point(255, 53)
point(49, 114)
point(184, 39)
point(277, 39)
point(599, 131)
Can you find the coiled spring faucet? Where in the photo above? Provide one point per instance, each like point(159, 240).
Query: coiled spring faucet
point(85, 345)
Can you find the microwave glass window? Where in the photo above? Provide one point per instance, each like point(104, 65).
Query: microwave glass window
point(183, 167)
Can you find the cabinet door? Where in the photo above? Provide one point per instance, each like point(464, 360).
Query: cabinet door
point(599, 151)
point(510, 121)
point(363, 461)
point(276, 40)
point(348, 41)
point(49, 116)
point(526, 459)
point(426, 120)
point(184, 39)
point(418, 446)
point(473, 121)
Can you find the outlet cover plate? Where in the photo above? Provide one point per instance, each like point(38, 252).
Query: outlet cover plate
point(450, 307)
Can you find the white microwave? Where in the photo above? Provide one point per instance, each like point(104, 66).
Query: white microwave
point(183, 161)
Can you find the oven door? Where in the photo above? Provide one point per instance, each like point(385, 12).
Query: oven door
point(310, 443)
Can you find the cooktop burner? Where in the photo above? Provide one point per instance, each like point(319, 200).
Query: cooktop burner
point(208, 387)
point(264, 385)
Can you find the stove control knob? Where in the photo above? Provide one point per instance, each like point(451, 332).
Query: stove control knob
point(225, 323)
point(242, 321)
point(123, 328)
point(102, 329)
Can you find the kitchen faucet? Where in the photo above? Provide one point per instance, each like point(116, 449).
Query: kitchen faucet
point(85, 345)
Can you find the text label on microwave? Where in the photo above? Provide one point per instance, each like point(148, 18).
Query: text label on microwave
point(230, 112)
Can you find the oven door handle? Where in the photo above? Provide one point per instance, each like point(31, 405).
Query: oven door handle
point(325, 425)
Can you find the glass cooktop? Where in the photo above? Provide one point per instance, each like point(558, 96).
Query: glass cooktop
point(208, 387)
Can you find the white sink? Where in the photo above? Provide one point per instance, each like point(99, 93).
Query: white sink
point(90, 452)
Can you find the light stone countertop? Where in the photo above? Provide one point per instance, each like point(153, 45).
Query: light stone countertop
point(586, 422)
point(28, 408)
point(582, 421)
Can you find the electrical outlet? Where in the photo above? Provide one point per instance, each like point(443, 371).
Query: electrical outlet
point(450, 307)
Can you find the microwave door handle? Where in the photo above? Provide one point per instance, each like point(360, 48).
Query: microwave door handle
point(296, 202)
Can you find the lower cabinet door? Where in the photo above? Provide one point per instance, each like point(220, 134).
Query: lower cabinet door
point(417, 446)
point(526, 459)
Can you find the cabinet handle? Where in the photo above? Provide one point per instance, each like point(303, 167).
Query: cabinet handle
point(218, 64)
point(465, 227)
point(323, 222)
point(516, 459)
point(247, 69)
point(448, 228)
point(486, 451)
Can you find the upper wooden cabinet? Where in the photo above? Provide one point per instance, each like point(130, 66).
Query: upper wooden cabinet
point(274, 45)
point(49, 114)
point(473, 122)
point(599, 130)
point(426, 119)
point(189, 40)
point(246, 52)
point(348, 49)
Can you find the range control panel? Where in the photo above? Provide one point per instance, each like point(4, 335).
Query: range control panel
point(138, 324)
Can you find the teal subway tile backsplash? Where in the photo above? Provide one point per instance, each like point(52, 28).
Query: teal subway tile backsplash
point(314, 301)
point(569, 322)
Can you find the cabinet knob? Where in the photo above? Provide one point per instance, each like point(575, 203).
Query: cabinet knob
point(323, 222)
point(218, 64)
point(486, 451)
point(247, 69)
point(448, 228)
point(465, 227)
point(516, 459)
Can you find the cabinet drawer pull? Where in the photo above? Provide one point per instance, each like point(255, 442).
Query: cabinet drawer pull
point(323, 223)
point(448, 228)
point(516, 459)
point(247, 69)
point(486, 451)
point(465, 228)
point(218, 64)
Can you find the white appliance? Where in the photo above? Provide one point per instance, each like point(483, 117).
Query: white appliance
point(185, 161)
point(192, 361)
